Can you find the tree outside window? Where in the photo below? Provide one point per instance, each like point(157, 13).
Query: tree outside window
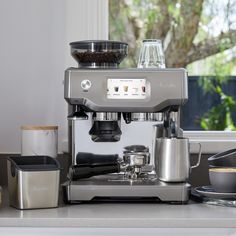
point(198, 35)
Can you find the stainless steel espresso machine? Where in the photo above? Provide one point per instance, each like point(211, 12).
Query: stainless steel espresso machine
point(116, 116)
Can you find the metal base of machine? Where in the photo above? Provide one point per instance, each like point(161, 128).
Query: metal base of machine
point(117, 188)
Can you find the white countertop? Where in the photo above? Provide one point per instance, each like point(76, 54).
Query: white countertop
point(114, 215)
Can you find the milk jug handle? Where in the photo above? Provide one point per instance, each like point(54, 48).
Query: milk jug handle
point(199, 156)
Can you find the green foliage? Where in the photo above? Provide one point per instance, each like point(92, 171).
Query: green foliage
point(221, 69)
point(220, 116)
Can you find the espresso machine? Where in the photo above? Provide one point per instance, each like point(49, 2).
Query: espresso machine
point(115, 117)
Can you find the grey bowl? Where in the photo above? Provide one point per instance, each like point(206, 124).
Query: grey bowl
point(223, 159)
point(223, 180)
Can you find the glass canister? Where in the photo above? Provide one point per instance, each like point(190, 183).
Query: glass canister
point(151, 54)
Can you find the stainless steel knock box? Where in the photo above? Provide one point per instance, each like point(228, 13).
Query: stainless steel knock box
point(33, 182)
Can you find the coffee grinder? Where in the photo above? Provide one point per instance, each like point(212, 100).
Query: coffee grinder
point(115, 117)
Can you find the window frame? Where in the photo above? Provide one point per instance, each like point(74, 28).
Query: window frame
point(212, 141)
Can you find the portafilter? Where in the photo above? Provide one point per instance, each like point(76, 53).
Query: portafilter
point(88, 164)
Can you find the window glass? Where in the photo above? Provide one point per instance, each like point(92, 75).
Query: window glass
point(197, 35)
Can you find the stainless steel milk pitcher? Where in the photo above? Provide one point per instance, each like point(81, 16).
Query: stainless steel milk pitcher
point(172, 159)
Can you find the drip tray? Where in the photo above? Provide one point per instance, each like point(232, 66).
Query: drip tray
point(109, 188)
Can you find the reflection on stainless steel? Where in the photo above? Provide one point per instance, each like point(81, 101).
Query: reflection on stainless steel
point(155, 116)
point(138, 116)
point(146, 116)
point(136, 157)
point(106, 116)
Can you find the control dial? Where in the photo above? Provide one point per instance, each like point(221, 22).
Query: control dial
point(86, 84)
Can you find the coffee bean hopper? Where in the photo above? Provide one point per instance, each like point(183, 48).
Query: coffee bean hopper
point(98, 53)
point(115, 116)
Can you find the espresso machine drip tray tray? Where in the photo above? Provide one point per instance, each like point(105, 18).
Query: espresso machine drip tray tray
point(117, 188)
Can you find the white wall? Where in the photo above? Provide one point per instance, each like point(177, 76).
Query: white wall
point(34, 52)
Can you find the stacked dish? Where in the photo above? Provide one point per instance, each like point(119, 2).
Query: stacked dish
point(222, 171)
point(222, 175)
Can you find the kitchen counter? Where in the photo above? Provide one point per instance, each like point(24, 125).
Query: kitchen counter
point(122, 215)
point(106, 219)
point(115, 219)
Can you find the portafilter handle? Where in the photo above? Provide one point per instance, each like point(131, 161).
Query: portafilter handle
point(92, 159)
point(82, 171)
point(89, 164)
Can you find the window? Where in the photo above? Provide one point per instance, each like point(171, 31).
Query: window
point(197, 35)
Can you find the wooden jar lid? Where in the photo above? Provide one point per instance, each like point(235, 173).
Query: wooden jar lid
point(39, 127)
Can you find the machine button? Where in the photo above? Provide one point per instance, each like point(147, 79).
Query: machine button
point(86, 84)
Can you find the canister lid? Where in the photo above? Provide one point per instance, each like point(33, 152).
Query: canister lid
point(39, 127)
